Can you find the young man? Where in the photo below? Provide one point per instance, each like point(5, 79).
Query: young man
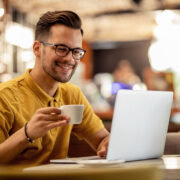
point(32, 128)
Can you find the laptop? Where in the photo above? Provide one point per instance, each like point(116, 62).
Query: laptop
point(139, 126)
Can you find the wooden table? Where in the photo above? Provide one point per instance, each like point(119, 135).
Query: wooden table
point(169, 166)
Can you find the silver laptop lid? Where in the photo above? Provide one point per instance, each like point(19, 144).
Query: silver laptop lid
point(139, 125)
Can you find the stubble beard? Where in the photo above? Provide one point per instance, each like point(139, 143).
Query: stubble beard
point(54, 74)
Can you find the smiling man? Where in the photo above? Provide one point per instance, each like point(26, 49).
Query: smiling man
point(32, 128)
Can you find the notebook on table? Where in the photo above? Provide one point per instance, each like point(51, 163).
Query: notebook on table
point(139, 125)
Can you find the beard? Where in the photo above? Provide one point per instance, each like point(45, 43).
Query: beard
point(62, 77)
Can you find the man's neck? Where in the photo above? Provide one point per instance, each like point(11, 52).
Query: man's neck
point(45, 82)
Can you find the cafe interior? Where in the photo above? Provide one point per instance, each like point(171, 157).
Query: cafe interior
point(130, 44)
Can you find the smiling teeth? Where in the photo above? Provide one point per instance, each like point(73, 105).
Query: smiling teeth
point(66, 67)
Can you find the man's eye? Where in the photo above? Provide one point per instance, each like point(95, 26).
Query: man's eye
point(77, 51)
point(61, 49)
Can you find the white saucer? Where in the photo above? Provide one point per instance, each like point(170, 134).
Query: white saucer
point(101, 162)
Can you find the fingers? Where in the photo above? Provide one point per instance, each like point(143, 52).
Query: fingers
point(55, 117)
point(103, 147)
point(53, 120)
point(102, 152)
point(57, 124)
point(49, 110)
point(51, 114)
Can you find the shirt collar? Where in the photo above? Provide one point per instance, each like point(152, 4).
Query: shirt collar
point(41, 94)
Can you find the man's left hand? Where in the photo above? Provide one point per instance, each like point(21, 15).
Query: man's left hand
point(103, 147)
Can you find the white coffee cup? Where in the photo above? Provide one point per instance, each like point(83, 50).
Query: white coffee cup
point(75, 111)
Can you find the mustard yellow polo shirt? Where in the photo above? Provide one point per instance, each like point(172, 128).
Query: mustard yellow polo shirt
point(21, 97)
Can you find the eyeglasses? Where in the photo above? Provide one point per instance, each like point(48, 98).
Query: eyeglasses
point(63, 50)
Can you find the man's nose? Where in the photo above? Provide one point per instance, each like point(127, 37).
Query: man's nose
point(69, 56)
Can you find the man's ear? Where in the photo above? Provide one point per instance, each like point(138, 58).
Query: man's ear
point(37, 48)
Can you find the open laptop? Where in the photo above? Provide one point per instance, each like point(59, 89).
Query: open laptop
point(139, 125)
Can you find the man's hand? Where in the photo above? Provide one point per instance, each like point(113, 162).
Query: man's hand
point(99, 142)
point(45, 119)
point(103, 147)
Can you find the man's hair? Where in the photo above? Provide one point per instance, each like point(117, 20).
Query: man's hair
point(47, 20)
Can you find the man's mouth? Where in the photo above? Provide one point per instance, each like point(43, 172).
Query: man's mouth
point(65, 66)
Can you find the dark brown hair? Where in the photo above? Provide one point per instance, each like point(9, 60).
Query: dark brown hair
point(67, 18)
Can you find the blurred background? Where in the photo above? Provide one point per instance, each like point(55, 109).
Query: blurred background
point(131, 44)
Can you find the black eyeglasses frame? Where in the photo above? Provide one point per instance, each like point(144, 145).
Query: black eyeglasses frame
point(69, 49)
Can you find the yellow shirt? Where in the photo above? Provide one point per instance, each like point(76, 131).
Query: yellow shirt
point(21, 97)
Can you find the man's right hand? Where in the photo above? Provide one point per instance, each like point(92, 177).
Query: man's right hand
point(45, 119)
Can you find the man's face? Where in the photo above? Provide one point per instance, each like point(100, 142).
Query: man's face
point(60, 68)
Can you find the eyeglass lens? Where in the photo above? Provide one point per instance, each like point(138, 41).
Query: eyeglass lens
point(63, 51)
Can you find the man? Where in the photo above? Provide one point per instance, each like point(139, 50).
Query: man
point(32, 128)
